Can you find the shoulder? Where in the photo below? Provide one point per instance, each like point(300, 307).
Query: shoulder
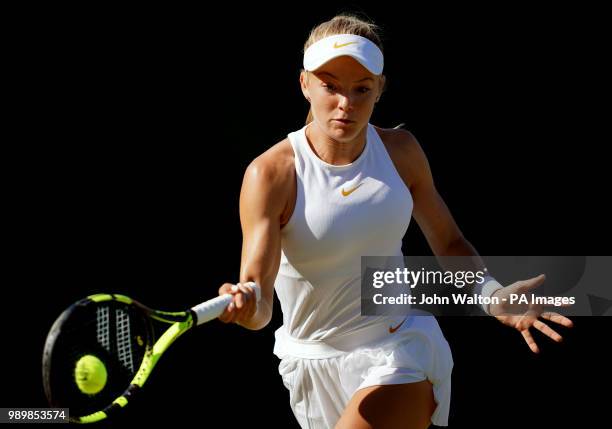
point(406, 153)
point(270, 176)
point(398, 140)
point(274, 164)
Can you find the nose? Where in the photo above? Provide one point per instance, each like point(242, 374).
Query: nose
point(345, 103)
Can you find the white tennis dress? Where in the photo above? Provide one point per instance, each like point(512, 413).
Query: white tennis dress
point(328, 350)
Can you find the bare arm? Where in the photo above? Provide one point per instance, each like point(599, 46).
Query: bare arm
point(446, 239)
point(262, 200)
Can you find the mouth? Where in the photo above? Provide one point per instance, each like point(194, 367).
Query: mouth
point(343, 121)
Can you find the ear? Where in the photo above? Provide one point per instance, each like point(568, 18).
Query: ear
point(304, 84)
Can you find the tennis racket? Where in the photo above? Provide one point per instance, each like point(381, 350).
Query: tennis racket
point(112, 338)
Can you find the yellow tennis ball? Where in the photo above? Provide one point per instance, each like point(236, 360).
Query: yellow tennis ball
point(90, 374)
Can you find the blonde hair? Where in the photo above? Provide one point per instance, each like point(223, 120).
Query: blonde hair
point(343, 24)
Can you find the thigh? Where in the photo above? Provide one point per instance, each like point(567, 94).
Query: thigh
point(406, 406)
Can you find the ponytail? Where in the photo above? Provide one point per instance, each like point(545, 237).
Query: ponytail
point(309, 118)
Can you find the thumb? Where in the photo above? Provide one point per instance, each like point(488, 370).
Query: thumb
point(534, 282)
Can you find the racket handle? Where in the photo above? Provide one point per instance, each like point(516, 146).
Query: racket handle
point(213, 308)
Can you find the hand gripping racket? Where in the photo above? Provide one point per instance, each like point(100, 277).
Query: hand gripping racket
point(102, 349)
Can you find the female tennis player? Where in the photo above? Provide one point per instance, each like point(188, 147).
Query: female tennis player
point(310, 207)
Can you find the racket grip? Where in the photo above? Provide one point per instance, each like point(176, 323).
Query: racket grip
point(213, 308)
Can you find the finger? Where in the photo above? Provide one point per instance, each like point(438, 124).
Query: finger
point(225, 288)
point(557, 318)
point(249, 296)
point(547, 330)
point(526, 320)
point(235, 291)
point(249, 307)
point(239, 298)
point(530, 341)
point(226, 316)
point(245, 290)
point(244, 297)
point(563, 305)
point(533, 282)
point(252, 298)
point(232, 313)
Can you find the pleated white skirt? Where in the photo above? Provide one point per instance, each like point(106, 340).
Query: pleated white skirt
point(322, 378)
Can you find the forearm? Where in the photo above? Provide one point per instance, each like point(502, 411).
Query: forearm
point(461, 247)
point(261, 270)
point(260, 263)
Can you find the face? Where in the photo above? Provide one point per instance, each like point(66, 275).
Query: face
point(342, 96)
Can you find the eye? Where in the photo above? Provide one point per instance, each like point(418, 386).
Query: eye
point(329, 87)
point(364, 89)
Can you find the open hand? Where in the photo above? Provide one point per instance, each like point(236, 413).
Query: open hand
point(523, 316)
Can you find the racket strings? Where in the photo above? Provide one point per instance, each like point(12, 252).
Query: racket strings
point(119, 335)
point(124, 339)
point(103, 327)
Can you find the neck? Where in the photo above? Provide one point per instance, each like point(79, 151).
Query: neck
point(332, 151)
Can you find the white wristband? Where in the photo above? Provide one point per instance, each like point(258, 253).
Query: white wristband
point(486, 288)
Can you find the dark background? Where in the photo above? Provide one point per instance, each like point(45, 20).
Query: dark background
point(128, 132)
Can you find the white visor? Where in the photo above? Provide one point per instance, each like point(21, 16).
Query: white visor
point(360, 48)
